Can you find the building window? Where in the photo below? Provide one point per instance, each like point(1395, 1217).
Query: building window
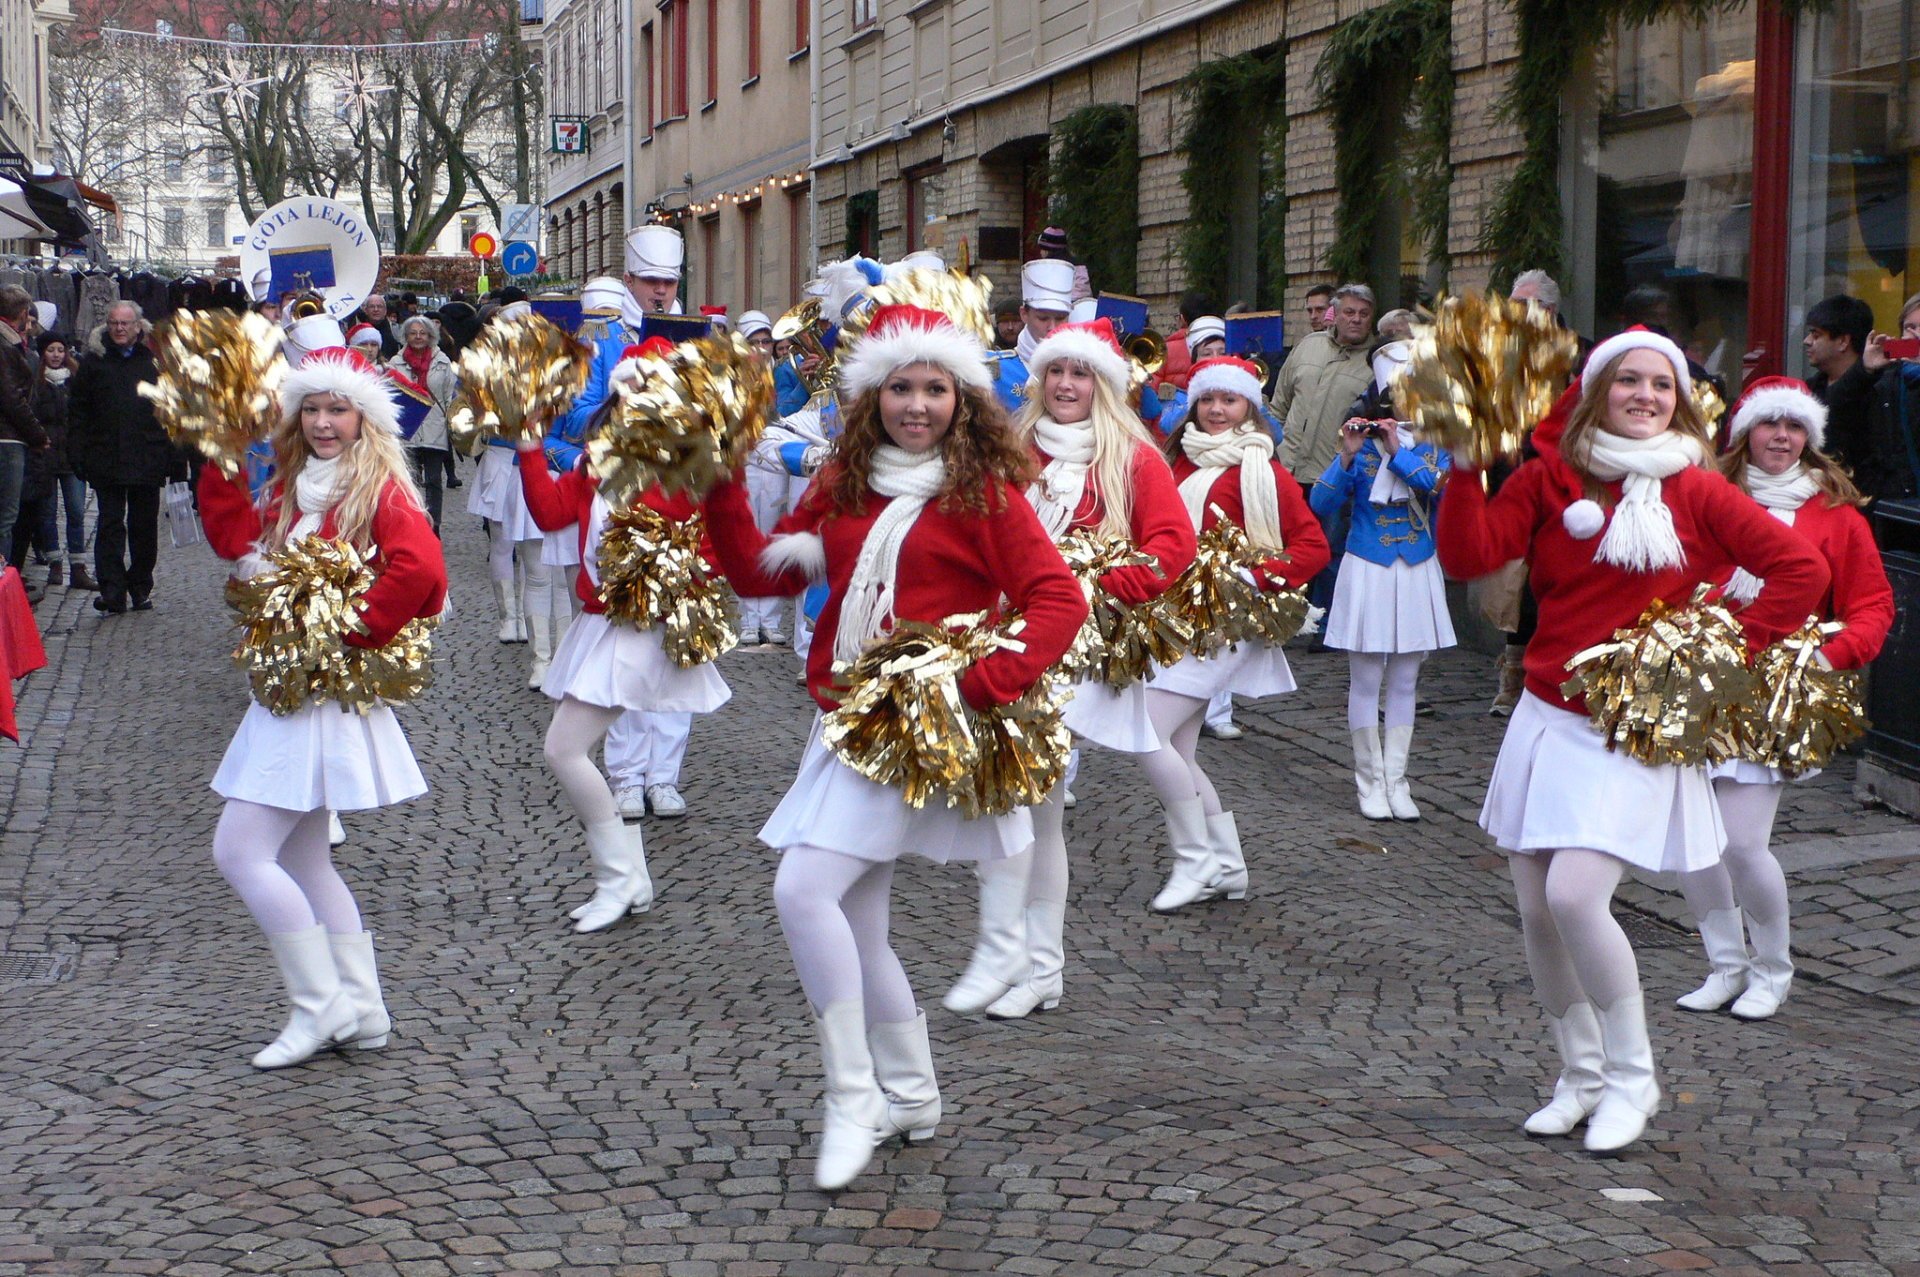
point(216, 165)
point(216, 228)
point(710, 256)
point(865, 12)
point(175, 162)
point(673, 32)
point(797, 254)
point(749, 254)
point(713, 52)
point(926, 210)
point(753, 39)
point(646, 80)
point(469, 227)
point(388, 239)
point(173, 227)
point(802, 25)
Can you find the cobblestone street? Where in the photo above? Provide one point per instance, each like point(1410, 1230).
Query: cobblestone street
point(1329, 1077)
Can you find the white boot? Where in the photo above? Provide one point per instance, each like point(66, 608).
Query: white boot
point(621, 884)
point(1577, 1089)
point(1047, 951)
point(506, 603)
point(1630, 1095)
point(336, 832)
point(1370, 774)
point(1771, 975)
point(360, 982)
point(853, 1123)
point(999, 959)
point(322, 1015)
point(903, 1065)
point(1223, 834)
point(540, 633)
point(1398, 741)
point(1726, 945)
point(1196, 873)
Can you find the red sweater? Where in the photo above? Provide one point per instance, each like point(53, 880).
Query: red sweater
point(951, 562)
point(1160, 527)
point(1306, 549)
point(1860, 597)
point(1583, 600)
point(410, 574)
point(568, 501)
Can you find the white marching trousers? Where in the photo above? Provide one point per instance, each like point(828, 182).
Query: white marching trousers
point(767, 494)
point(647, 749)
point(1220, 710)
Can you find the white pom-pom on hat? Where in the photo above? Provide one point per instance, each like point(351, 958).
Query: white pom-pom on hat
point(1583, 519)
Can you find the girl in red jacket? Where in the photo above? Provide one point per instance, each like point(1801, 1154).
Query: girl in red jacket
point(1614, 514)
point(916, 516)
point(1223, 462)
point(1773, 452)
point(341, 473)
point(602, 669)
point(1099, 469)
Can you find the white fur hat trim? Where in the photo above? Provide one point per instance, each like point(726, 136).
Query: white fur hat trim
point(1636, 339)
point(875, 358)
point(1781, 403)
point(348, 375)
point(1223, 377)
point(1066, 343)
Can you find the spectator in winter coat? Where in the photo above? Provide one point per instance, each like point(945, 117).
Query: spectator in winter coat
point(20, 429)
point(50, 394)
point(1887, 460)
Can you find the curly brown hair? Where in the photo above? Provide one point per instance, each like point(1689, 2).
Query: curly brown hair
point(979, 448)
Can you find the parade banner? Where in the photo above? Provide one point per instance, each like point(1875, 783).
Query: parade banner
point(312, 244)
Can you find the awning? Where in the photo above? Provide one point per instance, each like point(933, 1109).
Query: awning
point(97, 197)
point(17, 217)
point(57, 204)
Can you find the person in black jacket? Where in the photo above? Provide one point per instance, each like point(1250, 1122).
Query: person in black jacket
point(117, 446)
point(20, 430)
point(50, 395)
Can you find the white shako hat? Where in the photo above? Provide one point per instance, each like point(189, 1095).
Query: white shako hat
point(347, 373)
point(1047, 284)
point(754, 321)
point(315, 332)
point(262, 285)
point(655, 252)
point(1203, 328)
point(602, 295)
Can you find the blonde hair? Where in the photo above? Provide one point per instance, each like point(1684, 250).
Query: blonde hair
point(1827, 473)
point(1590, 416)
point(370, 463)
point(1117, 430)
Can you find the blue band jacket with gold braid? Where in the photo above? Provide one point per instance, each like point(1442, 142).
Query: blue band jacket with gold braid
point(1382, 533)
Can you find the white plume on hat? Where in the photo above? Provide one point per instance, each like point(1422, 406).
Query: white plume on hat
point(1046, 283)
point(655, 252)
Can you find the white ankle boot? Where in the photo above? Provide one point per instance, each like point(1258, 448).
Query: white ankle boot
point(1000, 958)
point(360, 983)
point(1398, 742)
point(903, 1066)
point(621, 884)
point(1196, 872)
point(1771, 975)
point(506, 602)
point(1370, 774)
point(322, 1015)
point(1047, 951)
point(1726, 945)
point(853, 1123)
point(1577, 1089)
point(1630, 1095)
point(540, 635)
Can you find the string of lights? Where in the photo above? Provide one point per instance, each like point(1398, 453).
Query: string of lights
point(745, 195)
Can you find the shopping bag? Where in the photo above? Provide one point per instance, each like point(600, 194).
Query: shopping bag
point(1497, 595)
point(183, 521)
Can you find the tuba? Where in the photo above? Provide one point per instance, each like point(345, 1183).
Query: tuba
point(803, 326)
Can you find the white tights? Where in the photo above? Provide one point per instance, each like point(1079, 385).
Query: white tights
point(1172, 769)
point(1399, 671)
point(1047, 878)
point(577, 727)
point(1575, 949)
point(279, 863)
point(1748, 876)
point(834, 911)
point(505, 555)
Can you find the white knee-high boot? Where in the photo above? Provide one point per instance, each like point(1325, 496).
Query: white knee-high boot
point(322, 1016)
point(1726, 945)
point(1771, 975)
point(1398, 742)
point(621, 882)
point(1223, 833)
point(903, 1065)
point(1047, 952)
point(1577, 1089)
point(1196, 872)
point(1370, 774)
point(1000, 959)
point(360, 981)
point(506, 602)
point(1629, 1094)
point(540, 636)
point(852, 1125)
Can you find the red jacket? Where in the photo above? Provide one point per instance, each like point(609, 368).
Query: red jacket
point(1583, 600)
point(952, 562)
point(1160, 526)
point(564, 502)
point(1178, 366)
point(410, 573)
point(1860, 597)
point(1306, 549)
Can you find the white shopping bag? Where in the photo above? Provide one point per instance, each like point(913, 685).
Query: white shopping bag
point(183, 522)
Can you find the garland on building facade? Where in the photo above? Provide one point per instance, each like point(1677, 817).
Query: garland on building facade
point(1227, 98)
point(1094, 191)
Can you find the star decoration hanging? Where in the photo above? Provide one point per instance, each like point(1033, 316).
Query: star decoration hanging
point(359, 96)
point(235, 82)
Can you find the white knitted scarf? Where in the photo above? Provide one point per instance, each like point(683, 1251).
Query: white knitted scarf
point(1782, 494)
point(316, 490)
point(1641, 536)
point(1388, 486)
point(912, 479)
point(1251, 448)
point(1056, 495)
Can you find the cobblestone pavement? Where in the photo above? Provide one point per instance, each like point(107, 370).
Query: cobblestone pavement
point(1329, 1077)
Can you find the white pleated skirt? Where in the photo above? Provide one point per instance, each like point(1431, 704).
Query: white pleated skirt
point(496, 494)
point(1114, 718)
point(620, 667)
point(324, 755)
point(833, 807)
point(1556, 785)
point(1398, 607)
point(561, 549)
point(1246, 669)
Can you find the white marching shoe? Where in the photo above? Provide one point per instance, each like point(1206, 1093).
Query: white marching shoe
point(1577, 1089)
point(1771, 975)
point(621, 884)
point(1726, 944)
point(903, 1065)
point(1630, 1095)
point(666, 802)
point(1197, 873)
point(323, 1016)
point(630, 801)
point(360, 983)
point(853, 1123)
point(540, 636)
point(1000, 958)
point(1370, 774)
point(1047, 954)
point(506, 602)
point(1397, 743)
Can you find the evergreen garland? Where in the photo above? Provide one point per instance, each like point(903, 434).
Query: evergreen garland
point(862, 207)
point(1094, 192)
point(1226, 99)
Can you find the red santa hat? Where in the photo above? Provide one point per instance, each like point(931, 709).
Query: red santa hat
point(1094, 344)
point(1224, 372)
point(1637, 338)
point(1779, 399)
point(901, 335)
point(336, 370)
point(628, 369)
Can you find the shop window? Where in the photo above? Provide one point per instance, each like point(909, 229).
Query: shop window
point(927, 209)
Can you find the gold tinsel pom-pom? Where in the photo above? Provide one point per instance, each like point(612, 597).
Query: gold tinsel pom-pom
point(219, 387)
point(902, 721)
point(689, 420)
point(516, 375)
point(965, 299)
point(1803, 713)
point(1118, 643)
point(652, 573)
point(1483, 373)
point(1219, 605)
point(294, 621)
point(1667, 689)
point(1712, 407)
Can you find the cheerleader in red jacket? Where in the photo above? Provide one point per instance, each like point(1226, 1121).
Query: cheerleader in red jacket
point(1615, 513)
point(1099, 469)
point(342, 473)
point(603, 668)
point(1774, 453)
point(915, 516)
point(1222, 457)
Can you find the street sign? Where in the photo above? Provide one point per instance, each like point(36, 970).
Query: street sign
point(519, 258)
point(482, 244)
point(520, 221)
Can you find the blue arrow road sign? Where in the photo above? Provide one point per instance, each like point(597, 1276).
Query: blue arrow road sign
point(519, 258)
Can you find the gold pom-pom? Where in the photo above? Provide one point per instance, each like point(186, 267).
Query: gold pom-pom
point(1712, 407)
point(902, 721)
point(1803, 713)
point(294, 622)
point(1483, 373)
point(965, 299)
point(1217, 601)
point(1119, 642)
point(689, 420)
point(652, 573)
point(219, 387)
point(1668, 688)
point(518, 373)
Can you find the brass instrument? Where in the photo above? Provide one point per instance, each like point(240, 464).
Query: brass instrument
point(803, 326)
point(308, 306)
point(1147, 349)
point(1260, 367)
